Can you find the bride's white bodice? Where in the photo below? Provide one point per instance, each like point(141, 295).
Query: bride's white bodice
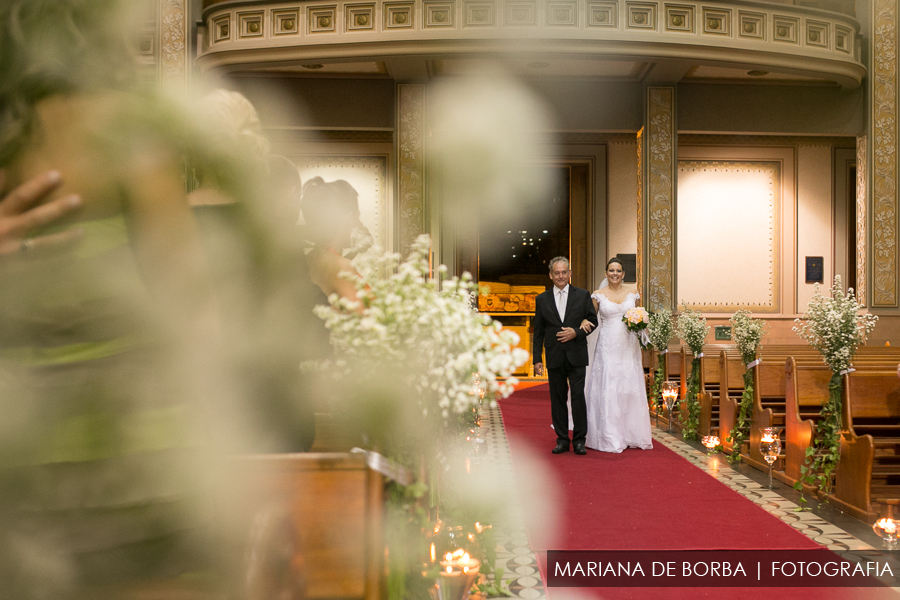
point(616, 397)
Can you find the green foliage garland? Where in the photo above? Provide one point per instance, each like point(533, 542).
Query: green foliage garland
point(748, 334)
point(660, 330)
point(742, 428)
point(658, 378)
point(692, 329)
point(822, 456)
point(691, 423)
point(836, 327)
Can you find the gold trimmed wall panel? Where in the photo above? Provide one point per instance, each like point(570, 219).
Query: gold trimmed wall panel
point(884, 152)
point(411, 163)
point(660, 192)
point(733, 206)
point(861, 195)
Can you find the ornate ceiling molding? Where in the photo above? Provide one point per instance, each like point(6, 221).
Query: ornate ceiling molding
point(783, 38)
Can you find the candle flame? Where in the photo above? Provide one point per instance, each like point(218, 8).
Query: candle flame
point(433, 555)
point(887, 525)
point(478, 527)
point(465, 569)
point(768, 438)
point(449, 569)
point(448, 556)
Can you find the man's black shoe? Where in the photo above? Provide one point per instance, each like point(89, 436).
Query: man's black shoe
point(560, 448)
point(579, 449)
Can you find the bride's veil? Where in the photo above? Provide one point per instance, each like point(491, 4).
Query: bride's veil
point(604, 283)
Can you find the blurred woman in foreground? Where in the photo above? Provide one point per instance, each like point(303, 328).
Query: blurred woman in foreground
point(99, 343)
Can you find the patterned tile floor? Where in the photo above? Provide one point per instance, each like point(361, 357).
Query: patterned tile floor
point(824, 525)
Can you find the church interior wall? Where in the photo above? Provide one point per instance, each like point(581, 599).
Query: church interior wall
point(815, 217)
point(597, 121)
point(622, 200)
point(599, 106)
point(782, 109)
point(320, 103)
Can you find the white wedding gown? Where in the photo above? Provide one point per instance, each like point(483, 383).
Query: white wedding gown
point(617, 412)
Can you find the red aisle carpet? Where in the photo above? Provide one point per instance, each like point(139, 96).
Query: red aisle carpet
point(646, 500)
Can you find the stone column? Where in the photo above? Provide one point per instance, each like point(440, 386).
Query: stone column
point(883, 133)
point(174, 29)
point(410, 148)
point(639, 263)
point(861, 213)
point(659, 198)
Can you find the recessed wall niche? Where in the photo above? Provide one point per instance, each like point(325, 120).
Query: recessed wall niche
point(744, 270)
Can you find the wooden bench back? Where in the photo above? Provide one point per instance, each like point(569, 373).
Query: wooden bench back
point(873, 394)
point(732, 371)
point(771, 379)
point(811, 384)
point(710, 371)
point(673, 364)
point(335, 503)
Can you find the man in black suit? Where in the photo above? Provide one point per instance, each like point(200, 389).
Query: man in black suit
point(558, 315)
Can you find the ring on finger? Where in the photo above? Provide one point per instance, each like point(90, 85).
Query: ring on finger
point(26, 245)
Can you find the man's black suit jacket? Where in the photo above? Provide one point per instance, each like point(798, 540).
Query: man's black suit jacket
point(547, 324)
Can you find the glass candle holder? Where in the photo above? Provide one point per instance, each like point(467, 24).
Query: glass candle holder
point(670, 397)
point(770, 448)
point(710, 441)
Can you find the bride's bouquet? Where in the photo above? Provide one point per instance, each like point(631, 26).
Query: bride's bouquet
point(636, 320)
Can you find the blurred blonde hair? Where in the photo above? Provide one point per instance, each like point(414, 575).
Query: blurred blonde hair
point(234, 124)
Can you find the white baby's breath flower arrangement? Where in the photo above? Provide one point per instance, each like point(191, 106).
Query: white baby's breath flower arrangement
point(660, 330)
point(418, 359)
point(747, 333)
point(424, 331)
point(836, 327)
point(692, 329)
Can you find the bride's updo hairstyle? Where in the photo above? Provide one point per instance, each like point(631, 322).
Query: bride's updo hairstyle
point(615, 259)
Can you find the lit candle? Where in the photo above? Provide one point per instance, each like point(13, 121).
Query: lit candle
point(888, 526)
point(768, 438)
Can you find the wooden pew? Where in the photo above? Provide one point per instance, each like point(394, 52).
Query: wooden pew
point(768, 411)
point(869, 468)
point(806, 389)
point(731, 372)
point(328, 507)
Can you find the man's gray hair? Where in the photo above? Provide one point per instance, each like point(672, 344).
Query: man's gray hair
point(553, 261)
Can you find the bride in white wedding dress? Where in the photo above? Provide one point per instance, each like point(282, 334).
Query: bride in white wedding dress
point(616, 397)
